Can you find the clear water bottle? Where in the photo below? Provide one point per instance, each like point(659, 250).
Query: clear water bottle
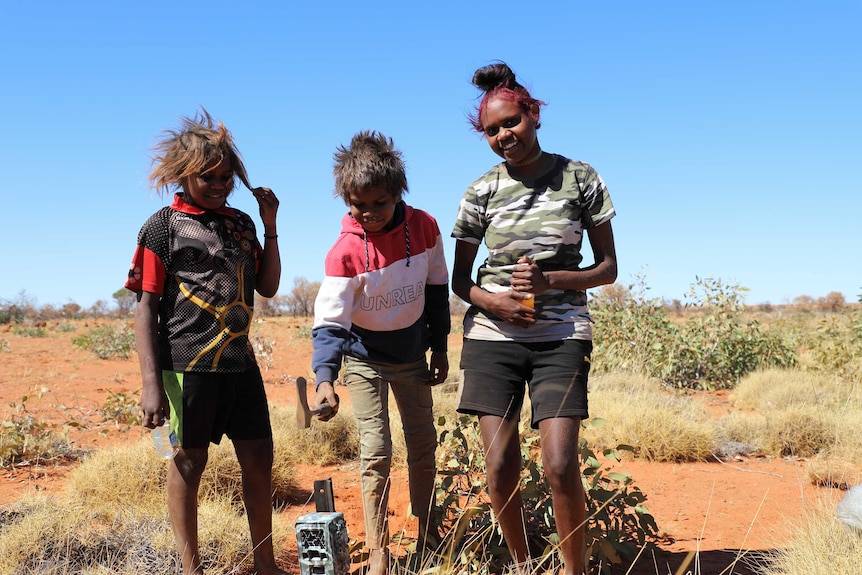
point(165, 441)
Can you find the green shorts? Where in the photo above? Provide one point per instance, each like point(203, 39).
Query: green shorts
point(206, 406)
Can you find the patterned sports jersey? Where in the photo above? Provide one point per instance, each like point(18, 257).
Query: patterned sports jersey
point(544, 219)
point(203, 264)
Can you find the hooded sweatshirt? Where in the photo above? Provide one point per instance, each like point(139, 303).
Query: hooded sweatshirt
point(385, 296)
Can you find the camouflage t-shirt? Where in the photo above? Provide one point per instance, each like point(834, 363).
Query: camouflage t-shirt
point(545, 219)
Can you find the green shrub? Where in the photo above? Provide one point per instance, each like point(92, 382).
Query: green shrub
point(29, 329)
point(123, 409)
point(712, 347)
point(26, 438)
point(618, 523)
point(108, 341)
point(836, 345)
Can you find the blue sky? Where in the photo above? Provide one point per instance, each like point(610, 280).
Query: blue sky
point(727, 132)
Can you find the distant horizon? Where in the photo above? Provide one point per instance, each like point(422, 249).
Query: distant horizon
point(111, 301)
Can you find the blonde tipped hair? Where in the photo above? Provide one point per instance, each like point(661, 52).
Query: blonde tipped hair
point(370, 160)
point(199, 145)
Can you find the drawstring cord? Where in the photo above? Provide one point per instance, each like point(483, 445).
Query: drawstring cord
point(406, 241)
point(365, 239)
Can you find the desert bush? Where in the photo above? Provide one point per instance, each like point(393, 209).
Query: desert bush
point(303, 332)
point(26, 438)
point(716, 347)
point(65, 326)
point(108, 341)
point(632, 333)
point(122, 408)
point(4, 346)
point(106, 478)
point(836, 345)
point(710, 347)
point(832, 302)
point(618, 522)
point(30, 329)
point(300, 300)
point(798, 433)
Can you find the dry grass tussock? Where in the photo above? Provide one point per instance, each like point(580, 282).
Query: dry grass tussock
point(801, 414)
point(328, 443)
point(111, 514)
point(111, 517)
point(820, 545)
point(636, 410)
point(777, 389)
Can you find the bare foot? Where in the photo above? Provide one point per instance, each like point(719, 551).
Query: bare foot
point(378, 562)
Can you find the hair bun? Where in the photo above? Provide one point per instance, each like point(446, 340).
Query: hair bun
point(493, 75)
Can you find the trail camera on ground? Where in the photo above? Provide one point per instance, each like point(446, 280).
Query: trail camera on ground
point(321, 539)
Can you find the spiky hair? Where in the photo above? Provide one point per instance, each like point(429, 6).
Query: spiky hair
point(370, 160)
point(199, 145)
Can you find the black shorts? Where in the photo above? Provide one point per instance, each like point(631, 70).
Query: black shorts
point(205, 406)
point(493, 374)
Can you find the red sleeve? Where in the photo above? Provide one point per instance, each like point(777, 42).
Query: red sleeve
point(147, 272)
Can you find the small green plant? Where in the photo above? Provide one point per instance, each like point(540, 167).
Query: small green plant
point(4, 346)
point(65, 327)
point(715, 347)
point(123, 409)
point(712, 347)
point(26, 438)
point(303, 332)
point(108, 341)
point(30, 329)
point(836, 345)
point(618, 522)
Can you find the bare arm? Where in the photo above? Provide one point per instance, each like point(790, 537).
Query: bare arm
point(505, 305)
point(269, 272)
point(527, 276)
point(154, 402)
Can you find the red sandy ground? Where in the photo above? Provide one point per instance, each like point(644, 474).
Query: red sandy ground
point(716, 509)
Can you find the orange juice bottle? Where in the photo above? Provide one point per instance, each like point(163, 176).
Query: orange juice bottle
point(529, 301)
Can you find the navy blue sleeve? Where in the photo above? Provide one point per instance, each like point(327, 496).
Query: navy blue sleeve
point(328, 344)
point(437, 315)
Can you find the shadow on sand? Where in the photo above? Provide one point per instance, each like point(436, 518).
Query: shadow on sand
point(713, 562)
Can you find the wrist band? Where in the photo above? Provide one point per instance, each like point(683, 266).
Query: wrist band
point(272, 237)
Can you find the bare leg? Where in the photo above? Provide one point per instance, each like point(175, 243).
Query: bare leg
point(503, 469)
point(378, 561)
point(184, 478)
point(561, 460)
point(255, 461)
